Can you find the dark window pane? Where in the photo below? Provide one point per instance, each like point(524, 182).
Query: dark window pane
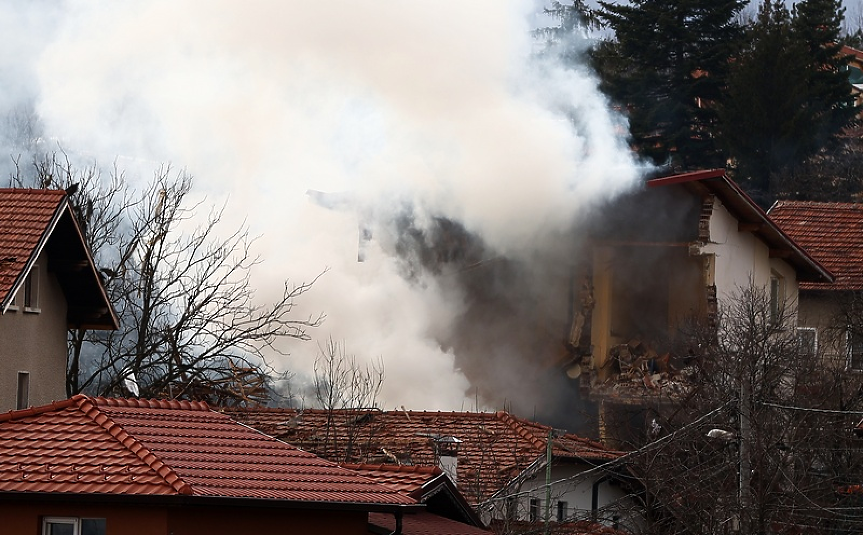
point(92, 526)
point(60, 528)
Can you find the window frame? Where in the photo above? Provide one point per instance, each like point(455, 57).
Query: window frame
point(777, 297)
point(814, 349)
point(534, 510)
point(562, 510)
point(850, 353)
point(22, 390)
point(77, 523)
point(30, 299)
point(61, 520)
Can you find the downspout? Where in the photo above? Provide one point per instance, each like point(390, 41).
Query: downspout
point(398, 515)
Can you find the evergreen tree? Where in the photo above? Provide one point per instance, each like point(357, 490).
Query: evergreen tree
point(666, 67)
point(764, 119)
point(818, 24)
point(789, 97)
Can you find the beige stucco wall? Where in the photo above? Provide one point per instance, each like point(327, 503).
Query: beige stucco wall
point(35, 342)
point(819, 311)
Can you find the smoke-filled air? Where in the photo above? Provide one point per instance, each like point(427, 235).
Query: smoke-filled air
point(424, 154)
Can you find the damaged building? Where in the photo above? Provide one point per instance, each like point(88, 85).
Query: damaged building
point(660, 260)
point(586, 331)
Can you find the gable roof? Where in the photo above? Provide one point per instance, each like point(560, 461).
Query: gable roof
point(426, 484)
point(37, 220)
point(129, 447)
point(832, 232)
point(495, 446)
point(752, 219)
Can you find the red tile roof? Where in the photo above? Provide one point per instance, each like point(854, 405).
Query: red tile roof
point(424, 523)
point(832, 233)
point(405, 479)
point(135, 447)
point(25, 216)
point(496, 446)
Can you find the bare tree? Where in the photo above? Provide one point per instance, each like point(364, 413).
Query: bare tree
point(341, 383)
point(191, 325)
point(776, 450)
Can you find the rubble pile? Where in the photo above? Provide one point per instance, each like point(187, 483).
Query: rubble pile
point(643, 371)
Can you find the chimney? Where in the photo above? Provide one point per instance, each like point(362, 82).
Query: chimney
point(446, 455)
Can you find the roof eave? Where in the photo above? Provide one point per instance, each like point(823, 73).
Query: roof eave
point(717, 181)
point(221, 501)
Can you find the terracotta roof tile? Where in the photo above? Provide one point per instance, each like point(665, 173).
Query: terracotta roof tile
point(25, 215)
point(129, 447)
point(833, 235)
point(405, 479)
point(495, 447)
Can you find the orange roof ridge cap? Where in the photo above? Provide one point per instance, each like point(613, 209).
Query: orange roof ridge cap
point(403, 468)
point(515, 424)
point(141, 403)
point(34, 411)
point(90, 408)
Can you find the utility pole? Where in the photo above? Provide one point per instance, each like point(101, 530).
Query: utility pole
point(548, 445)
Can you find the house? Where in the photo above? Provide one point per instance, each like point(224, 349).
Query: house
point(48, 285)
point(497, 461)
point(855, 71)
point(88, 466)
point(833, 233)
point(659, 259)
point(446, 511)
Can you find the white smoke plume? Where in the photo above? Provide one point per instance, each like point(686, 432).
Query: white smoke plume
point(432, 108)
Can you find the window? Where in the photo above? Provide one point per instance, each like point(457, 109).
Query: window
point(511, 508)
point(562, 511)
point(535, 504)
point(807, 341)
point(22, 399)
point(59, 526)
point(55, 525)
point(777, 296)
point(855, 350)
point(31, 291)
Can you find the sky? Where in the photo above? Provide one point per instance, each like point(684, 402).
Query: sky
point(427, 108)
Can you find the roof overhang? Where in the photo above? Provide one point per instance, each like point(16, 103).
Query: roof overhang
point(751, 219)
point(174, 500)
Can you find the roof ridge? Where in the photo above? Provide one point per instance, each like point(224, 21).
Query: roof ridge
point(35, 411)
point(516, 425)
point(401, 468)
point(29, 190)
point(90, 408)
point(140, 403)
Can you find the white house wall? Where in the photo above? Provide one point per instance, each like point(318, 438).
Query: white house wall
point(613, 503)
point(741, 257)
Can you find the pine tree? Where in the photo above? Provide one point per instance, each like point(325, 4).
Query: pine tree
point(666, 68)
point(789, 97)
point(818, 24)
point(765, 119)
